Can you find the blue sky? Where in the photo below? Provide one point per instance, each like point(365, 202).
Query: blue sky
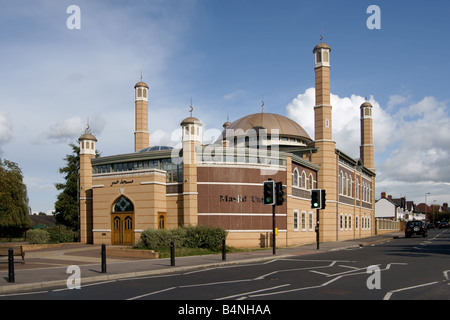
point(226, 54)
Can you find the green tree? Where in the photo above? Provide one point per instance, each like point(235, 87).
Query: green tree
point(66, 205)
point(14, 209)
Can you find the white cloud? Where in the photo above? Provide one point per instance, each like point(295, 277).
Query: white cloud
point(423, 145)
point(5, 127)
point(346, 120)
point(412, 141)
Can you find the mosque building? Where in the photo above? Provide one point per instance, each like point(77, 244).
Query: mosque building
point(221, 184)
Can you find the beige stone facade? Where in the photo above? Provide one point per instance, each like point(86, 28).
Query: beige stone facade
point(222, 184)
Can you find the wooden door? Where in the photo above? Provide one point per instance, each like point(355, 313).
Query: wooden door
point(122, 229)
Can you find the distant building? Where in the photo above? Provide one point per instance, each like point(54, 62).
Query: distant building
point(398, 209)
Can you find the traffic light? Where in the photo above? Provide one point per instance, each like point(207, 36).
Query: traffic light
point(323, 200)
point(315, 199)
point(269, 192)
point(279, 190)
point(318, 199)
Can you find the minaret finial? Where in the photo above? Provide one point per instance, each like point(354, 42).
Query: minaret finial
point(141, 74)
point(321, 36)
point(262, 104)
point(191, 108)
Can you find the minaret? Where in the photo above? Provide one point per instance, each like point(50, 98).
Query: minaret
point(367, 148)
point(87, 152)
point(326, 147)
point(192, 139)
point(141, 135)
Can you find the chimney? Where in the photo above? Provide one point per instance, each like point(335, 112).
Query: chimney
point(390, 197)
point(383, 195)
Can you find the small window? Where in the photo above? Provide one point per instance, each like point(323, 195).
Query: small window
point(162, 221)
point(139, 93)
point(325, 56)
point(303, 221)
point(318, 57)
point(145, 93)
point(295, 220)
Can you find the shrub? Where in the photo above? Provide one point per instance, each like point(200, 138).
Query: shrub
point(60, 233)
point(204, 237)
point(155, 239)
point(38, 236)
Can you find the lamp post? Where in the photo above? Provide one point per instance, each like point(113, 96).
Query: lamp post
point(426, 206)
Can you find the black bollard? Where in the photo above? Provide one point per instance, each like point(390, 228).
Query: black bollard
point(11, 276)
point(224, 250)
point(172, 254)
point(103, 258)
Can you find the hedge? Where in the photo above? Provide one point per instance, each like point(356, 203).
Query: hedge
point(56, 234)
point(205, 237)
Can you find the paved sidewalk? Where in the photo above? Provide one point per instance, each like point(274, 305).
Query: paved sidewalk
point(47, 268)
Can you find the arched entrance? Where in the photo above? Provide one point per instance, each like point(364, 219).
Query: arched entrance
point(122, 222)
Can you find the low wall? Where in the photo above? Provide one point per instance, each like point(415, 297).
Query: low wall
point(387, 226)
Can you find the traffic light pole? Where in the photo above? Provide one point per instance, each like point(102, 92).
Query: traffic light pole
point(317, 228)
point(273, 230)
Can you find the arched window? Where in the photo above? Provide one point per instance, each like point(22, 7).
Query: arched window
point(161, 221)
point(311, 182)
point(341, 184)
point(303, 180)
point(145, 93)
point(357, 188)
point(123, 204)
point(139, 93)
point(350, 191)
point(295, 178)
point(346, 185)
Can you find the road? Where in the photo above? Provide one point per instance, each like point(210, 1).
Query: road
point(402, 269)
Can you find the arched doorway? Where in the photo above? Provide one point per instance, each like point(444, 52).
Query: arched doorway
point(122, 222)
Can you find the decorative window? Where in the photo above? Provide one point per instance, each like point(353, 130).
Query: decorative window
point(350, 181)
point(318, 57)
point(145, 93)
point(162, 221)
point(325, 56)
point(139, 93)
point(310, 221)
point(357, 188)
point(295, 178)
point(303, 185)
point(346, 185)
point(310, 182)
point(123, 204)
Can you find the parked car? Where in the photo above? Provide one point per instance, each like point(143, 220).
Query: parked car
point(443, 225)
point(416, 227)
